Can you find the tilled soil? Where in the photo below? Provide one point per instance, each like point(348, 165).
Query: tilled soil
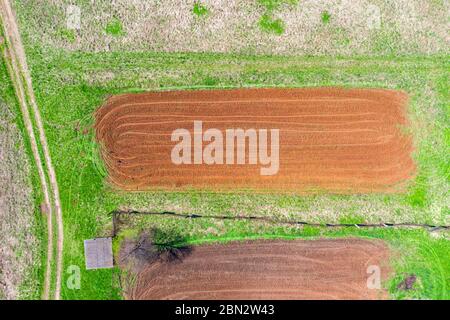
point(331, 139)
point(295, 269)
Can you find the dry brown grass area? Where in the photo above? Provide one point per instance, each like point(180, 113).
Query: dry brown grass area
point(18, 243)
point(353, 27)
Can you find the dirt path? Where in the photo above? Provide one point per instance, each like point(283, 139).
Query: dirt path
point(20, 75)
point(330, 139)
point(295, 269)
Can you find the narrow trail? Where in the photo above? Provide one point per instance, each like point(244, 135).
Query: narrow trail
point(21, 78)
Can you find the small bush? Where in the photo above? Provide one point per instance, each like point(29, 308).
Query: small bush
point(114, 27)
point(268, 24)
point(199, 10)
point(326, 16)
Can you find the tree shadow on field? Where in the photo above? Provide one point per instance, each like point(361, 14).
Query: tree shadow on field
point(151, 247)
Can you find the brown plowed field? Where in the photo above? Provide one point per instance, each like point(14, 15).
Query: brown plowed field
point(331, 139)
point(300, 269)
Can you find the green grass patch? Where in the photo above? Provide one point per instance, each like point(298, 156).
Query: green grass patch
point(271, 25)
point(267, 22)
point(326, 16)
point(418, 193)
point(271, 5)
point(351, 219)
point(199, 9)
point(114, 28)
point(428, 260)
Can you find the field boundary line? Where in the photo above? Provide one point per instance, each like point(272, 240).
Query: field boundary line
point(117, 213)
point(23, 84)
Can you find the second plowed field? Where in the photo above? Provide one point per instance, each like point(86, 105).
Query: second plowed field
point(311, 269)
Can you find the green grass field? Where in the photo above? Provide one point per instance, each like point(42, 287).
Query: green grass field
point(70, 86)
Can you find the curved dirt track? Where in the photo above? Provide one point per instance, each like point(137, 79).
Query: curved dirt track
point(21, 78)
point(331, 139)
point(295, 269)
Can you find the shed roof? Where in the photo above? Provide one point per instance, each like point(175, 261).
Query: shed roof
point(98, 253)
